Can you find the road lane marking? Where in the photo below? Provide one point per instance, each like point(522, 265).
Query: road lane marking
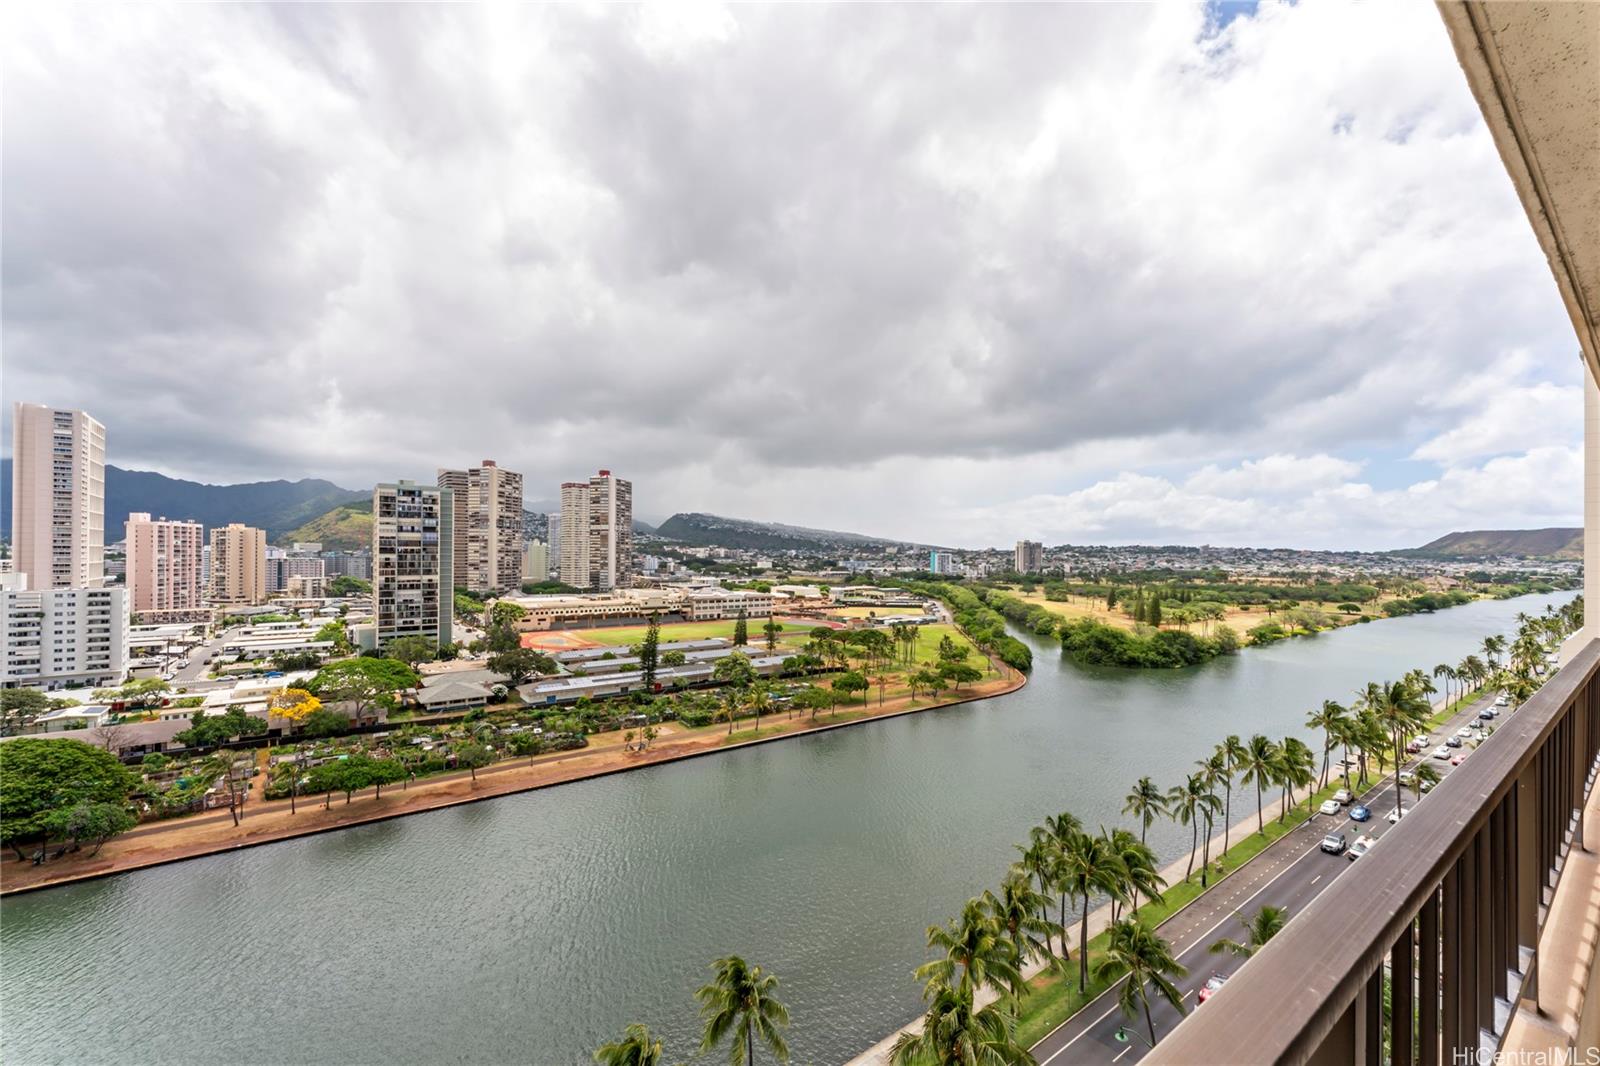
point(1315, 879)
point(1123, 1052)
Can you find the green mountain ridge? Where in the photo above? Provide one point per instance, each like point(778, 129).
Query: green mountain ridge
point(1553, 543)
point(275, 506)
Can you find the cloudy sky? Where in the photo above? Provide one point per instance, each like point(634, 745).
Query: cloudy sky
point(1086, 272)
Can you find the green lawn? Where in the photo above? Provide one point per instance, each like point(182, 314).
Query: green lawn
point(793, 631)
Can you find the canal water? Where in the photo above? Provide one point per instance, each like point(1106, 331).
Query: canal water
point(531, 928)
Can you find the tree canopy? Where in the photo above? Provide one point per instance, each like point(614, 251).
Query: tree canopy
point(40, 778)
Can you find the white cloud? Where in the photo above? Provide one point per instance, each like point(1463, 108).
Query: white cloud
point(869, 266)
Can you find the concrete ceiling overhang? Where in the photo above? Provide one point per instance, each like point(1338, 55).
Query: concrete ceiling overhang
point(1535, 70)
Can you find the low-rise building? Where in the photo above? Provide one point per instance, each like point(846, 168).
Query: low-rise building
point(708, 605)
point(621, 607)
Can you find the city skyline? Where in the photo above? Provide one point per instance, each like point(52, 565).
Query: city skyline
point(1185, 339)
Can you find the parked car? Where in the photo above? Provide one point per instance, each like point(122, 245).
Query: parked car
point(1334, 844)
point(1406, 777)
point(1502, 700)
point(1457, 760)
point(1359, 848)
point(1331, 807)
point(1360, 813)
point(1394, 816)
point(1213, 985)
point(1486, 715)
point(1453, 742)
point(1344, 795)
point(1441, 752)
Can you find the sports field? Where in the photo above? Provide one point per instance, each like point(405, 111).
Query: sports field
point(794, 631)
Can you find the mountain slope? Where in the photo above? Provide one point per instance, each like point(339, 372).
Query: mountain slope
point(276, 506)
point(344, 528)
point(710, 529)
point(1539, 543)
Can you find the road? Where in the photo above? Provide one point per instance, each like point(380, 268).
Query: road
point(1288, 874)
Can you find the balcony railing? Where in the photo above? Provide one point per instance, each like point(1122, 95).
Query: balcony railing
point(1446, 910)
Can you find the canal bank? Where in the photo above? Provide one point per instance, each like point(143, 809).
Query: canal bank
point(534, 928)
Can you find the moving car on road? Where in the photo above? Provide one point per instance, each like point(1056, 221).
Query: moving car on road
point(1213, 985)
point(1334, 844)
point(1359, 848)
point(1360, 813)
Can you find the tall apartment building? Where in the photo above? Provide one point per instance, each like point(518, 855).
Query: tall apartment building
point(413, 544)
point(597, 532)
point(487, 542)
point(1029, 557)
point(58, 497)
point(163, 569)
point(536, 561)
point(62, 638)
point(941, 562)
point(238, 571)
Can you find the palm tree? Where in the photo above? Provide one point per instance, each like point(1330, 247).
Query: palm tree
point(1327, 720)
point(1448, 672)
point(1016, 908)
point(1233, 749)
point(1061, 829)
point(1039, 859)
point(1148, 963)
point(1295, 765)
point(975, 950)
point(636, 1048)
point(954, 1034)
point(1140, 874)
point(1260, 761)
point(1401, 710)
point(1144, 803)
point(1184, 804)
point(1424, 776)
point(1211, 771)
point(740, 1001)
point(1092, 866)
point(1267, 923)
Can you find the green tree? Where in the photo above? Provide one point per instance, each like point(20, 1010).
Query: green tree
point(323, 722)
point(636, 1048)
point(1091, 866)
point(673, 658)
point(1259, 765)
point(40, 777)
point(1233, 754)
point(742, 1002)
point(741, 629)
point(1145, 803)
point(1261, 927)
point(955, 1034)
point(1134, 951)
point(87, 821)
point(348, 586)
point(960, 673)
point(520, 664)
point(412, 650)
point(1017, 909)
point(364, 682)
point(505, 614)
point(472, 756)
point(971, 952)
point(772, 629)
point(851, 681)
point(20, 706)
point(650, 651)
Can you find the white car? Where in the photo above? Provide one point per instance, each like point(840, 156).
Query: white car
point(1344, 795)
point(1395, 815)
point(1406, 777)
point(1441, 752)
point(1330, 807)
point(1503, 701)
point(1465, 730)
point(1359, 848)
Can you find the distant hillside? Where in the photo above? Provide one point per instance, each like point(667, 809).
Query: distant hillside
point(344, 528)
point(714, 530)
point(1534, 543)
point(275, 506)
